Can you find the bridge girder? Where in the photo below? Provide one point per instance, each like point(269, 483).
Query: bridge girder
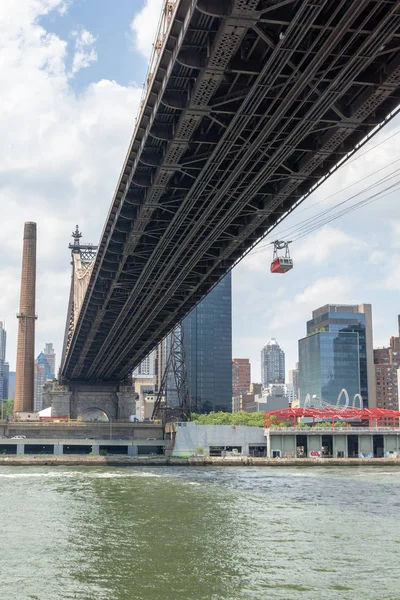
point(251, 105)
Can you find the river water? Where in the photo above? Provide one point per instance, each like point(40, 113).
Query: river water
point(170, 533)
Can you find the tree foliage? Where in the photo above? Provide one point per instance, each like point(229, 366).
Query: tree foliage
point(8, 408)
point(240, 418)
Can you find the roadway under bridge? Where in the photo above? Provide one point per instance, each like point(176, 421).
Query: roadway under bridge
point(248, 105)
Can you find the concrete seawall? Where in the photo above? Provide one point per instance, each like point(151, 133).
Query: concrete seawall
point(95, 461)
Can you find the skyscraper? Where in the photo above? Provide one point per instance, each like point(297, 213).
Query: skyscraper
point(3, 339)
point(42, 373)
point(207, 342)
point(50, 356)
point(272, 363)
point(338, 354)
point(241, 376)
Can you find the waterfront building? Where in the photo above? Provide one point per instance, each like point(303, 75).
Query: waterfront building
point(241, 376)
point(207, 343)
point(338, 354)
point(387, 363)
point(221, 440)
point(272, 363)
point(3, 340)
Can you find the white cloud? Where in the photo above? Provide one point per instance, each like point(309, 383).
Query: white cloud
point(259, 261)
point(64, 6)
point(279, 292)
point(391, 279)
point(376, 257)
point(327, 242)
point(144, 26)
point(323, 291)
point(85, 53)
point(60, 157)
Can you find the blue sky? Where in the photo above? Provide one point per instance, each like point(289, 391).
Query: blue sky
point(109, 22)
point(71, 78)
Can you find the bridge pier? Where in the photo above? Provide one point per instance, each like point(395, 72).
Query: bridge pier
point(90, 401)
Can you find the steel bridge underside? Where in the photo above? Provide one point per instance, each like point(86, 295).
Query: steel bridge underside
point(251, 103)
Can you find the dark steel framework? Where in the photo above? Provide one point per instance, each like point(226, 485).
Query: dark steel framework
point(251, 105)
point(175, 371)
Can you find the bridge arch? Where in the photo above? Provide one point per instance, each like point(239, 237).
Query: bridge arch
point(94, 414)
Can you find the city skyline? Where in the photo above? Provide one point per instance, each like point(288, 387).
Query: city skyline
point(44, 369)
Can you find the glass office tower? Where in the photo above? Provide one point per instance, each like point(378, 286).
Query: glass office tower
point(339, 339)
point(329, 362)
point(207, 340)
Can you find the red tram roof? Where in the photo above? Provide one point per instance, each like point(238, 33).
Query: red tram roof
point(336, 412)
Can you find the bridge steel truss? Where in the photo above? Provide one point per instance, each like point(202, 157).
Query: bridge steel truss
point(250, 104)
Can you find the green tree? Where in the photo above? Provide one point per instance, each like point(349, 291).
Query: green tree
point(223, 418)
point(8, 408)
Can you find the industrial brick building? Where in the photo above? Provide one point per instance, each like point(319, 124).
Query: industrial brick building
point(241, 376)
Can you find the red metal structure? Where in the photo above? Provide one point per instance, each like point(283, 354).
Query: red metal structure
point(373, 416)
point(281, 264)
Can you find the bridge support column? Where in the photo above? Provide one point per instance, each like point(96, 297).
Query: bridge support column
point(132, 450)
point(58, 449)
point(90, 401)
point(58, 397)
point(20, 448)
point(126, 402)
point(96, 449)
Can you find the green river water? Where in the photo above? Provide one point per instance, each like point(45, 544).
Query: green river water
point(170, 533)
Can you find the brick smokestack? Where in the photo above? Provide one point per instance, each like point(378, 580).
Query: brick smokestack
point(24, 378)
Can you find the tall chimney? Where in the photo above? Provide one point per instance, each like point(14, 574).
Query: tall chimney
point(24, 377)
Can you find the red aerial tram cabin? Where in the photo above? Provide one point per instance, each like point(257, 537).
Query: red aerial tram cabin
point(281, 264)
